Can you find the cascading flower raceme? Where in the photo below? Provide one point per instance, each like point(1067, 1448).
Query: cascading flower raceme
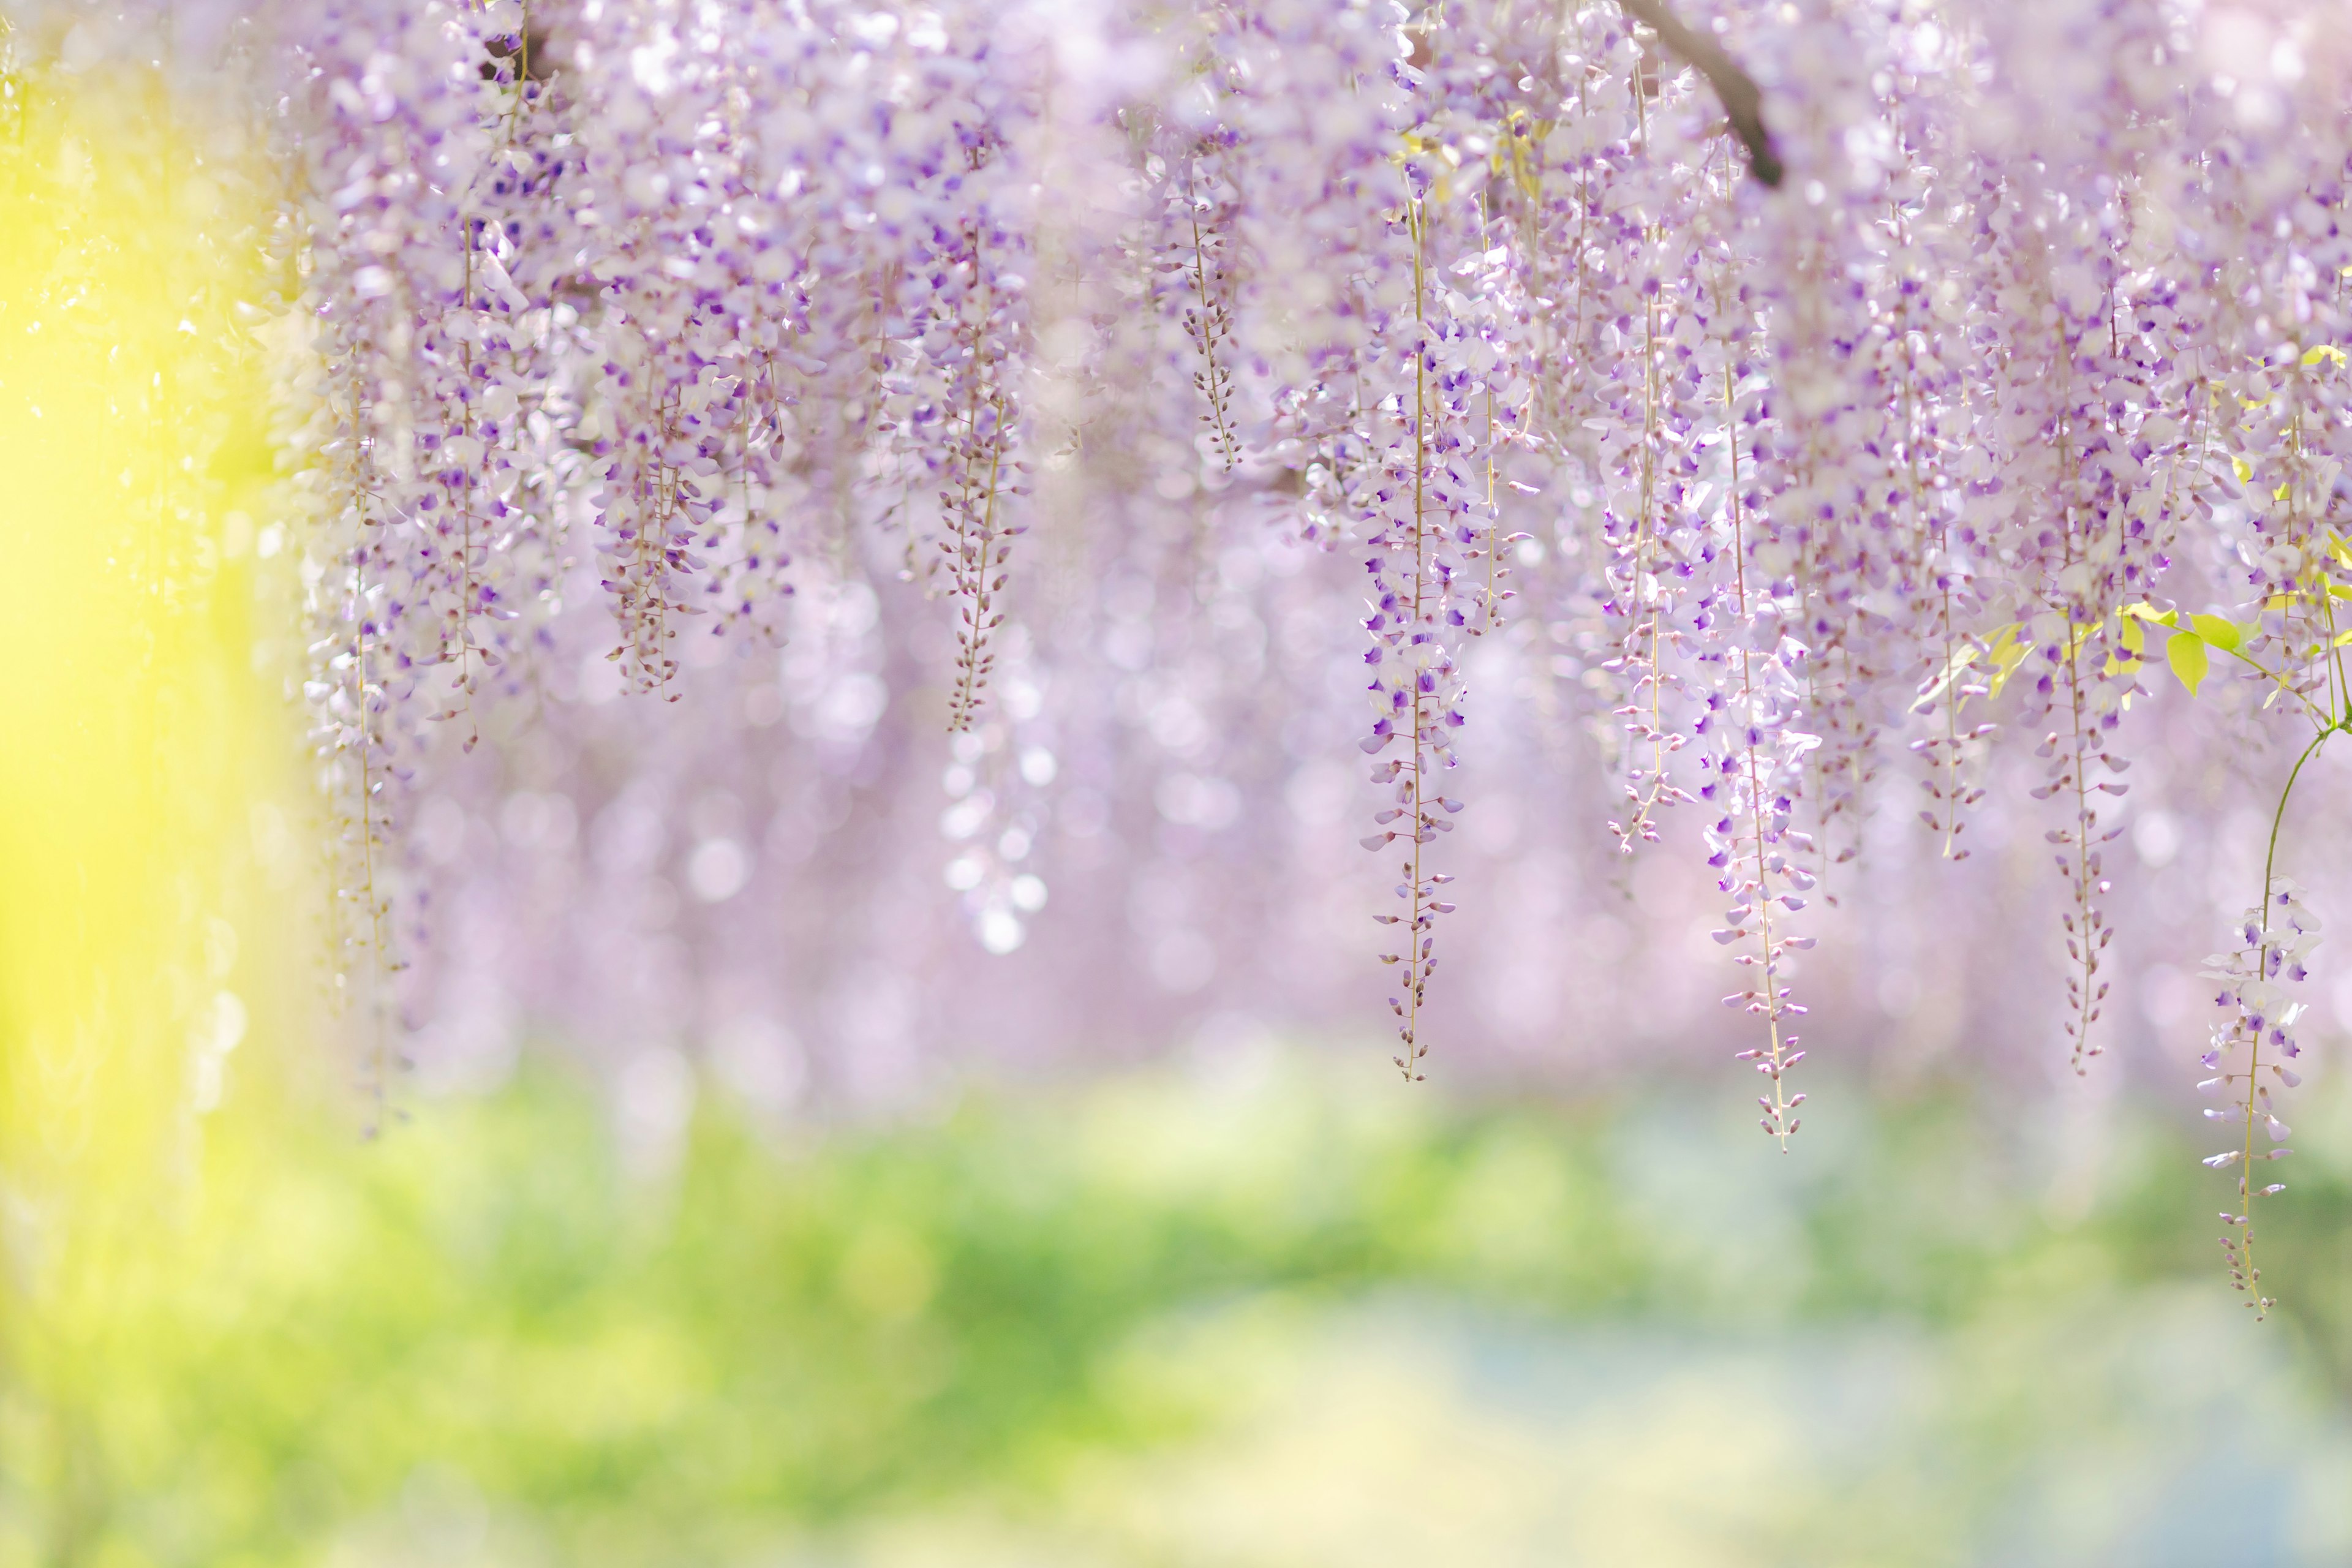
point(1993, 366)
point(2252, 1052)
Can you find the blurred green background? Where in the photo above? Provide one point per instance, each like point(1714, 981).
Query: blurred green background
point(1265, 1307)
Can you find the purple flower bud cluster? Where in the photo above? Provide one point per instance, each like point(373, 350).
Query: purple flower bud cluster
point(1806, 477)
point(1410, 496)
point(2252, 1052)
point(427, 455)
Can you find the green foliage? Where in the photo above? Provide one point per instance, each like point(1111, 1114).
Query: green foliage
point(787, 1332)
point(2186, 654)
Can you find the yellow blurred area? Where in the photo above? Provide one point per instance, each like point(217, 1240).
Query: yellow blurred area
point(135, 734)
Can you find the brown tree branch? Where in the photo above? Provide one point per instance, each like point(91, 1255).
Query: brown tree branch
point(1743, 101)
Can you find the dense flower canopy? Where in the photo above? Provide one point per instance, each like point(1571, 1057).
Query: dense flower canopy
point(738, 415)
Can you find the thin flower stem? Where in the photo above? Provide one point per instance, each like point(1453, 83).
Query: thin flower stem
point(2246, 1189)
point(976, 553)
point(381, 1074)
point(1416, 953)
point(1780, 1108)
point(1494, 520)
point(2278, 677)
point(1211, 383)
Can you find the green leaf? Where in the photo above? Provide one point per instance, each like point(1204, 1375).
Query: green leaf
point(2187, 656)
point(2216, 631)
point(2008, 647)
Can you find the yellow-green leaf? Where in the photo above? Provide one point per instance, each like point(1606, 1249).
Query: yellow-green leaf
point(2007, 648)
point(2217, 631)
point(2134, 638)
point(1962, 657)
point(2324, 351)
point(2187, 656)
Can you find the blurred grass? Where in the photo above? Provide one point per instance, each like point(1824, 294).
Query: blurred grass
point(785, 1340)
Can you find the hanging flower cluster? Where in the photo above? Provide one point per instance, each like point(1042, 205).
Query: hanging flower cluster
point(1838, 384)
point(2275, 938)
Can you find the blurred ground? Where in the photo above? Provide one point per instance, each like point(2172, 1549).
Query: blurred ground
point(1269, 1308)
